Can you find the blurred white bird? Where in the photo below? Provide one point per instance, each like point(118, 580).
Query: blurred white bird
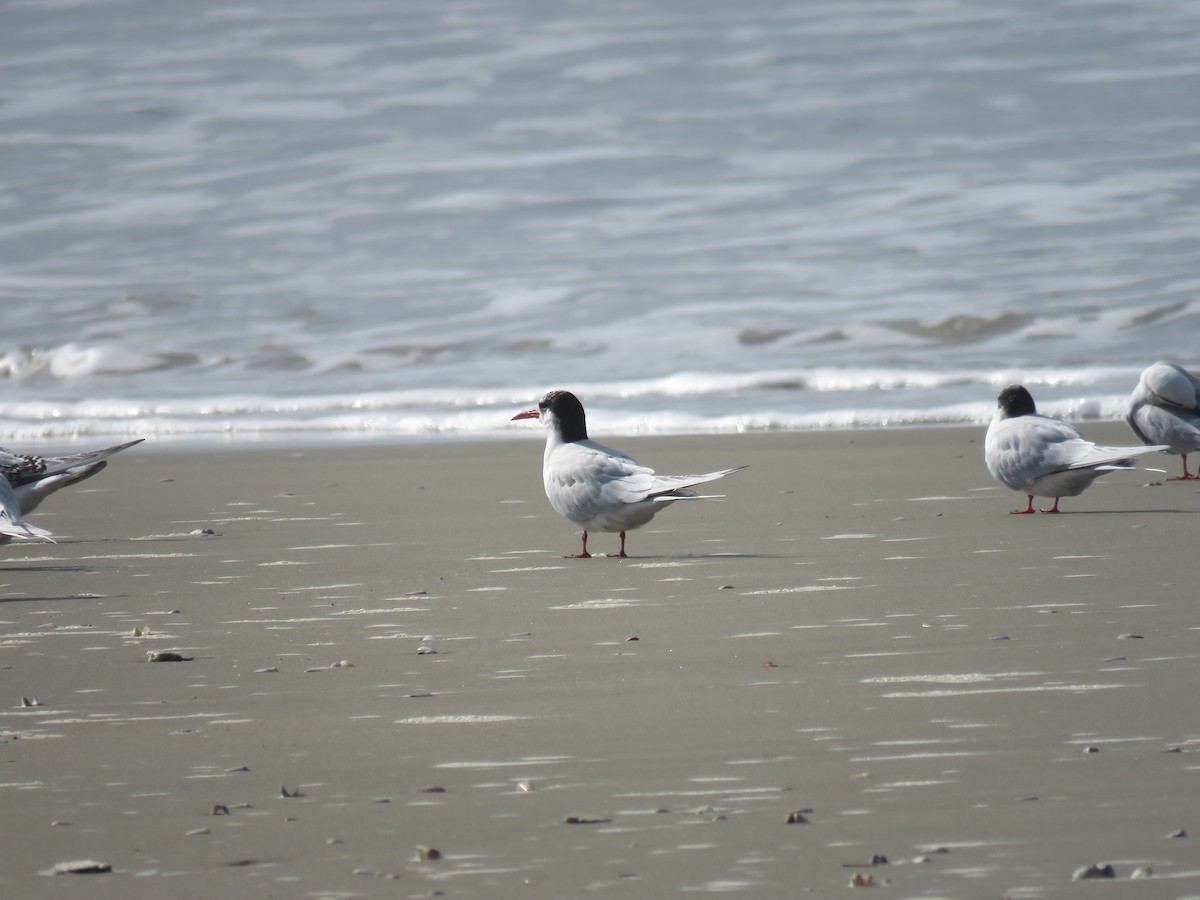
point(597, 487)
point(1165, 409)
point(1045, 457)
point(34, 478)
point(11, 525)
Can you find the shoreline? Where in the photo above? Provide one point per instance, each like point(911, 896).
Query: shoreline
point(301, 440)
point(858, 636)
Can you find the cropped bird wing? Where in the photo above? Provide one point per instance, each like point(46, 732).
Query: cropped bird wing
point(23, 468)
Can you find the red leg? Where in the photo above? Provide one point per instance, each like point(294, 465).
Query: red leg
point(1186, 476)
point(1054, 508)
point(582, 554)
point(1023, 512)
point(622, 553)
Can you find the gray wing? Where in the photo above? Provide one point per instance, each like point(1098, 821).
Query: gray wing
point(1015, 449)
point(1177, 428)
point(675, 487)
point(585, 479)
point(24, 468)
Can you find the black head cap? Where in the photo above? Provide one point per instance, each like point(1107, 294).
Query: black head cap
point(568, 412)
point(1014, 401)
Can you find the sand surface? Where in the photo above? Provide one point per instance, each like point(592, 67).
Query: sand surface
point(859, 635)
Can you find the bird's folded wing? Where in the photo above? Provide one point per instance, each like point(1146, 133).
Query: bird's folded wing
point(678, 484)
point(591, 478)
point(1090, 456)
point(24, 468)
point(1166, 423)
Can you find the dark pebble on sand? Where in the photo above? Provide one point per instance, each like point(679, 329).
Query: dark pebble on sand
point(1085, 873)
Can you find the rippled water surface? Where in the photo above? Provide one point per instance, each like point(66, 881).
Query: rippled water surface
point(381, 219)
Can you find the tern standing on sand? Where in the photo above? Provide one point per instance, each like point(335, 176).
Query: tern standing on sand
point(1165, 409)
point(597, 487)
point(1045, 457)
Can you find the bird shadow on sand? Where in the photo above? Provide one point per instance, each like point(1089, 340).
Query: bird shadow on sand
point(1131, 512)
point(47, 569)
point(56, 598)
point(678, 558)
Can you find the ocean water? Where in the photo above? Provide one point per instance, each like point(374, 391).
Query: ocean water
point(300, 221)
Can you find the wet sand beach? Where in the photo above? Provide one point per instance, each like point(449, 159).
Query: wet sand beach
point(383, 648)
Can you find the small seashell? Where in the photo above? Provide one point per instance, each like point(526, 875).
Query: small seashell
point(266, 670)
point(879, 860)
point(284, 792)
point(1083, 873)
point(332, 841)
point(200, 532)
point(862, 879)
point(1091, 748)
point(770, 665)
point(342, 664)
point(526, 787)
point(196, 831)
point(725, 587)
point(1141, 872)
point(1178, 834)
point(426, 650)
point(796, 818)
point(633, 638)
point(220, 810)
point(139, 631)
point(425, 854)
point(1130, 637)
